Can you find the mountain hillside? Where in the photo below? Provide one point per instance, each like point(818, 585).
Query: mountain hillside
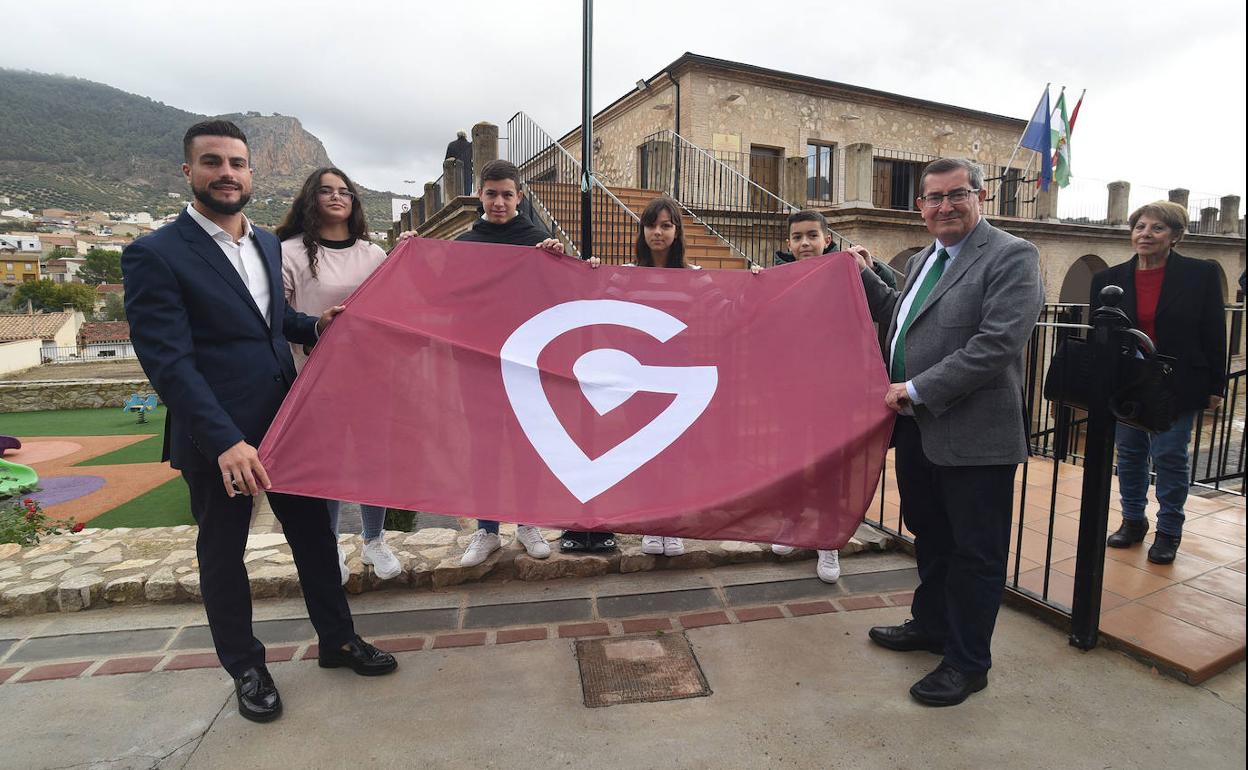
point(75, 144)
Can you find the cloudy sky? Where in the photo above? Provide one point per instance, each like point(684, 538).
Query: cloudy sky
point(386, 83)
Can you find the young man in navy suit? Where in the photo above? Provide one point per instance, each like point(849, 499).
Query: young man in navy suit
point(210, 325)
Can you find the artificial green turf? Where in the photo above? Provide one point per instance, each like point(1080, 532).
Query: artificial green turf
point(81, 422)
point(168, 505)
point(145, 451)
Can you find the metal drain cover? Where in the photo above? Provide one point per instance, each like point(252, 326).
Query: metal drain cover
point(639, 669)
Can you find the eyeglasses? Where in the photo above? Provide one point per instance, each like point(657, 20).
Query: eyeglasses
point(329, 192)
point(933, 200)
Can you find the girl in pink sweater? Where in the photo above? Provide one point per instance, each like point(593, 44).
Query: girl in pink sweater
point(326, 254)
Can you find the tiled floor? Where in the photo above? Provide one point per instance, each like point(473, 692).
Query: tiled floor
point(1187, 617)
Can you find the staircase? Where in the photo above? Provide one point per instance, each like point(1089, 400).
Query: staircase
point(551, 177)
point(615, 236)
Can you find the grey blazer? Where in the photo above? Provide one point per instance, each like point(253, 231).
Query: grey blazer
point(964, 348)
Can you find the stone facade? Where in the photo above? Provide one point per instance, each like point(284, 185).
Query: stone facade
point(70, 394)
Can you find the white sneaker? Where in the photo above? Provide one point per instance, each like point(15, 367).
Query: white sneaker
point(342, 566)
point(479, 548)
point(781, 550)
point(531, 538)
point(673, 546)
point(829, 566)
point(652, 545)
point(384, 562)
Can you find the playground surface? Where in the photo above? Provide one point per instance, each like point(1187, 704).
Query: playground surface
point(99, 466)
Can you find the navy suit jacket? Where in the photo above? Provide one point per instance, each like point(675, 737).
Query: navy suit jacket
point(220, 370)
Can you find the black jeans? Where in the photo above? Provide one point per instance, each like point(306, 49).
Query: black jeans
point(960, 517)
point(224, 523)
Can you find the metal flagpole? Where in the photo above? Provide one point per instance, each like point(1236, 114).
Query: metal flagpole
point(587, 132)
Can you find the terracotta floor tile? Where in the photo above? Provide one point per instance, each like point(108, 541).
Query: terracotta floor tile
point(1035, 547)
point(1062, 588)
point(1237, 566)
point(1208, 548)
point(1223, 582)
point(1177, 643)
point(1123, 579)
point(1025, 565)
point(1234, 514)
point(1216, 529)
point(1198, 504)
point(1065, 528)
point(1065, 503)
point(1182, 568)
point(1212, 613)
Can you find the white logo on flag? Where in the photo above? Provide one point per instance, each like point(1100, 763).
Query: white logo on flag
point(608, 378)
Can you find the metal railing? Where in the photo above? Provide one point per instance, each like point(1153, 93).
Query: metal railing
point(723, 193)
point(552, 179)
point(1046, 507)
point(897, 173)
point(82, 353)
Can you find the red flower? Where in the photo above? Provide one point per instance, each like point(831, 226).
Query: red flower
point(29, 501)
point(30, 515)
point(77, 527)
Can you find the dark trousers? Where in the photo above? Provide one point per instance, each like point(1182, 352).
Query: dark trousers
point(224, 523)
point(960, 517)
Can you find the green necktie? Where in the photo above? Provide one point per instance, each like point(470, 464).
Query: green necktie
point(897, 372)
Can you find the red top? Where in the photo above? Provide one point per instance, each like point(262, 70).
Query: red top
point(1147, 292)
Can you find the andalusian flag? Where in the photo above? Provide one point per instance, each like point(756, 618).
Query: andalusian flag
point(1061, 140)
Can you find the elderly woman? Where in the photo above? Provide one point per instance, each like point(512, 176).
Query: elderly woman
point(1176, 301)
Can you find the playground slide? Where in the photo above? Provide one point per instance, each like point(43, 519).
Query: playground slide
point(16, 479)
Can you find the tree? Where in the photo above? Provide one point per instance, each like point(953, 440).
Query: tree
point(81, 296)
point(49, 297)
point(41, 294)
point(60, 252)
point(101, 266)
point(114, 308)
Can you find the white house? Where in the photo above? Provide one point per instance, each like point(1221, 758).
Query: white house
point(16, 214)
point(22, 244)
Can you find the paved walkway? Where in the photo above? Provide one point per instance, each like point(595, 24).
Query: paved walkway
point(795, 691)
point(1188, 617)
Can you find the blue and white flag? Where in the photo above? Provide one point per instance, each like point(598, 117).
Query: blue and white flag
point(1038, 137)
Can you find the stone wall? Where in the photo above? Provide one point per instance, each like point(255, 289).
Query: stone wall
point(619, 133)
point(71, 394)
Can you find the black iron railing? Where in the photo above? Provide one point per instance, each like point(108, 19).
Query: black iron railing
point(897, 172)
point(728, 195)
point(1047, 506)
point(552, 178)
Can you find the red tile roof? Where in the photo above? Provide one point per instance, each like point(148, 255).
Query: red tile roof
point(104, 331)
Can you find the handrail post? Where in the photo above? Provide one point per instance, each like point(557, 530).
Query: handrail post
point(587, 132)
point(1104, 353)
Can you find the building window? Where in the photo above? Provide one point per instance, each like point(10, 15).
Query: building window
point(896, 183)
point(820, 171)
point(106, 354)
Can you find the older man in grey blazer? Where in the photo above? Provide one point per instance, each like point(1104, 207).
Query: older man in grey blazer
point(956, 336)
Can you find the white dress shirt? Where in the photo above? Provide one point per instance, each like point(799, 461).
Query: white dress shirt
point(244, 255)
point(908, 299)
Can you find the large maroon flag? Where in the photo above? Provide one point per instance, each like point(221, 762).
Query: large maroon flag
point(509, 383)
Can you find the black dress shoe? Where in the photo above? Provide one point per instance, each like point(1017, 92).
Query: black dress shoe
point(257, 695)
point(1131, 531)
point(360, 656)
point(947, 686)
point(1164, 548)
point(905, 638)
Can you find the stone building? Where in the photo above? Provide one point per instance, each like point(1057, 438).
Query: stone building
point(740, 146)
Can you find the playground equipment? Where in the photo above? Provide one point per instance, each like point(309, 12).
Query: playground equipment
point(15, 478)
point(141, 404)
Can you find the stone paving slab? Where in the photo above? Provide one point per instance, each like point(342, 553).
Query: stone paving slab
point(90, 645)
point(558, 611)
point(662, 602)
point(408, 622)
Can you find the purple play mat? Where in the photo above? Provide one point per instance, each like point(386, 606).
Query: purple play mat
point(62, 489)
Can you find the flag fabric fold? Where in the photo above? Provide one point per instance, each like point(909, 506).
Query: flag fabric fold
point(511, 383)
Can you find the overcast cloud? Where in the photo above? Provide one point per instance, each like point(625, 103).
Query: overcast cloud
point(386, 83)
